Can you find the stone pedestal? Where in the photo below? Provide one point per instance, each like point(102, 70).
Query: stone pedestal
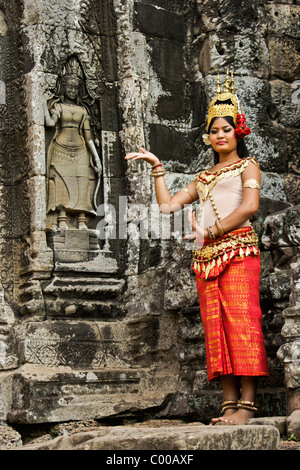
point(73, 246)
point(85, 279)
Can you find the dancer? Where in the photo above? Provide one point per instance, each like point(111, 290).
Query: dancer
point(226, 255)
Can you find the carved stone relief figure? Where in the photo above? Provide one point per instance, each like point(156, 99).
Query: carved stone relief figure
point(73, 165)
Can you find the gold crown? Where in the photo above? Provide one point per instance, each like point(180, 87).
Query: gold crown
point(224, 103)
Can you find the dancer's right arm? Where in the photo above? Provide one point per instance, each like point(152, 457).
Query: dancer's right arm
point(167, 203)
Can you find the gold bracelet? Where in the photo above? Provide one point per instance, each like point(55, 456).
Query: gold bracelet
point(219, 228)
point(211, 234)
point(158, 173)
point(155, 166)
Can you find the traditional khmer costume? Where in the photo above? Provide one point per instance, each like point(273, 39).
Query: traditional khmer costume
point(227, 267)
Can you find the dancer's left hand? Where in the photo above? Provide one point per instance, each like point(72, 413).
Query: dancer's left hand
point(198, 232)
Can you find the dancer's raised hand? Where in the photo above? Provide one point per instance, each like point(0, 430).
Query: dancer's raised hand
point(143, 155)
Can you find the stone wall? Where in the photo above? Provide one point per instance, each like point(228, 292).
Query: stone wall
point(95, 327)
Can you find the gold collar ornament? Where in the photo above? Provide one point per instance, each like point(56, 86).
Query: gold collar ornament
point(226, 103)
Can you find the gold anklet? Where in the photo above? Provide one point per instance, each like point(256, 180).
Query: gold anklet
point(247, 405)
point(227, 405)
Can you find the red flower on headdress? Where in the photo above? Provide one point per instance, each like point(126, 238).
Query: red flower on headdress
point(241, 129)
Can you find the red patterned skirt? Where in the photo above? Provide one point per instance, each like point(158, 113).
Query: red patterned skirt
point(231, 316)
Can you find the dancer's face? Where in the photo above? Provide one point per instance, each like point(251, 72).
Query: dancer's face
point(222, 136)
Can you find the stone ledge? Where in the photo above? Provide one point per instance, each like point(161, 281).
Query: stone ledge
point(188, 437)
point(279, 422)
point(45, 395)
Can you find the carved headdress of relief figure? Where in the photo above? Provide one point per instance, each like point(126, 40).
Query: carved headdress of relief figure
point(72, 71)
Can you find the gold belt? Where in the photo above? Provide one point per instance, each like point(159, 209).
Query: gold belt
point(212, 258)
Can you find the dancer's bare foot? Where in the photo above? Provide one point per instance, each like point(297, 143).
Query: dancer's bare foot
point(242, 416)
point(224, 418)
point(238, 418)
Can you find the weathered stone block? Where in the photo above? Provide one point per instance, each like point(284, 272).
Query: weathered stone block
point(279, 422)
point(173, 146)
point(58, 395)
point(71, 246)
point(180, 287)
point(283, 19)
point(167, 59)
point(293, 397)
point(77, 344)
point(8, 349)
point(9, 438)
point(248, 50)
point(287, 110)
point(6, 384)
point(175, 103)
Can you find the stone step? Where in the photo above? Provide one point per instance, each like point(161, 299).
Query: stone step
point(186, 437)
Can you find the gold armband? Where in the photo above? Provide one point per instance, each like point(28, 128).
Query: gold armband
point(251, 183)
point(186, 190)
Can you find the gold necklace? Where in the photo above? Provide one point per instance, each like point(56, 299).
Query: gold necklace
point(230, 161)
point(218, 169)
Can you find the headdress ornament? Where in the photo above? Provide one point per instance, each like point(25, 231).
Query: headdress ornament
point(226, 103)
point(73, 69)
